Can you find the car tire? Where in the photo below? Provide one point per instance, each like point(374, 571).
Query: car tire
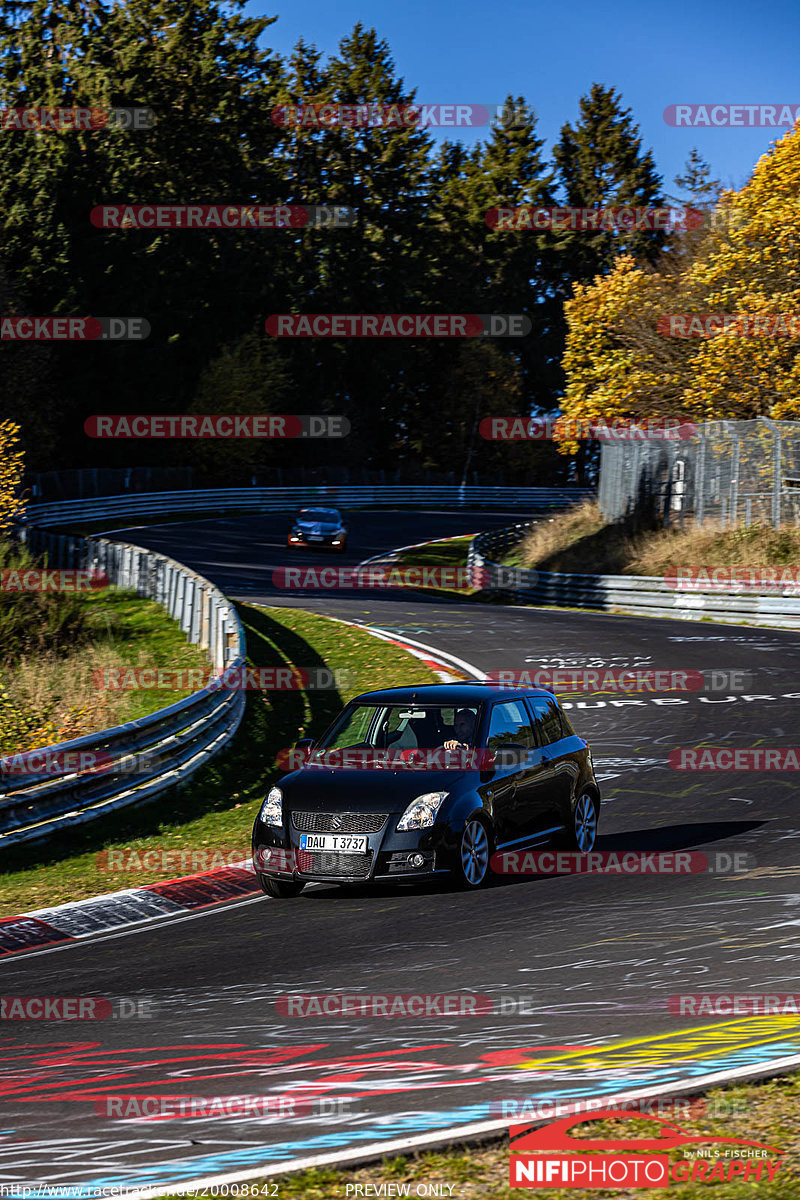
point(474, 853)
point(280, 889)
point(581, 833)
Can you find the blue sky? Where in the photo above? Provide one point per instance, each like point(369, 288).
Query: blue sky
point(671, 52)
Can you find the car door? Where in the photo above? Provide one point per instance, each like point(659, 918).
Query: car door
point(513, 786)
point(557, 766)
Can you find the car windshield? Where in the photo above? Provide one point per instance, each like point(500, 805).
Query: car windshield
point(401, 727)
point(319, 514)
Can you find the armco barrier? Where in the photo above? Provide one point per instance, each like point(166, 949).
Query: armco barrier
point(150, 755)
point(147, 756)
point(287, 499)
point(643, 595)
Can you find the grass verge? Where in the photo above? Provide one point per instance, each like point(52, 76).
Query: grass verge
point(767, 1112)
point(580, 541)
point(449, 553)
point(51, 689)
point(214, 811)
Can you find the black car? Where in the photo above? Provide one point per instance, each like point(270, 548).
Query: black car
point(410, 783)
point(322, 527)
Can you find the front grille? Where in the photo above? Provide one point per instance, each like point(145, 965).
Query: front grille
point(322, 822)
point(329, 862)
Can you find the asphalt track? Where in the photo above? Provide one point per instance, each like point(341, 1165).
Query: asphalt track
point(587, 963)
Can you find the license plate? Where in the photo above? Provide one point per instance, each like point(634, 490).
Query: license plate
point(342, 843)
point(315, 537)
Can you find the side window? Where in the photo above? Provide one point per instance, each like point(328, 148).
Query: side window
point(548, 719)
point(510, 723)
point(566, 725)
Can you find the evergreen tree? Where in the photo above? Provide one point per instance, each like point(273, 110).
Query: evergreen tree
point(600, 162)
point(702, 191)
point(199, 66)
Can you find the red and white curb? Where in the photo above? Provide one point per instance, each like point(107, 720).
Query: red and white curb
point(73, 922)
point(448, 667)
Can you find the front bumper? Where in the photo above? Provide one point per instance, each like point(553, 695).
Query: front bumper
point(389, 854)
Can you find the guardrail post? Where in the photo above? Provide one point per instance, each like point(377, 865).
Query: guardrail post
point(201, 617)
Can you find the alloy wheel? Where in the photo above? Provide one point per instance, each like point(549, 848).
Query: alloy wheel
point(474, 852)
point(585, 823)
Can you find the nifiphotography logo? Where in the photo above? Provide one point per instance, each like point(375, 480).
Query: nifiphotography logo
point(548, 1156)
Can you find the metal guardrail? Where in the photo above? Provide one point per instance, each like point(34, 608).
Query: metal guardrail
point(642, 595)
point(139, 760)
point(142, 759)
point(289, 498)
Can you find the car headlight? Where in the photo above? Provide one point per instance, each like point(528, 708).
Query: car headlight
point(421, 813)
point(272, 808)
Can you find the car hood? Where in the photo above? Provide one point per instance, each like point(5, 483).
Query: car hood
point(326, 789)
point(317, 526)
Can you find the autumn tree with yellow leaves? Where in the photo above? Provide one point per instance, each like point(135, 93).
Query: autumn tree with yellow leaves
point(746, 260)
point(11, 469)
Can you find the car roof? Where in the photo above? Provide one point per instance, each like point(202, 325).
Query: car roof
point(450, 693)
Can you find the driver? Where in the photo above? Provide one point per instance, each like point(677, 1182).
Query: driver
point(464, 727)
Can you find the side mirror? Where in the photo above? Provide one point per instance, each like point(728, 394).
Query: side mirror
point(303, 749)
